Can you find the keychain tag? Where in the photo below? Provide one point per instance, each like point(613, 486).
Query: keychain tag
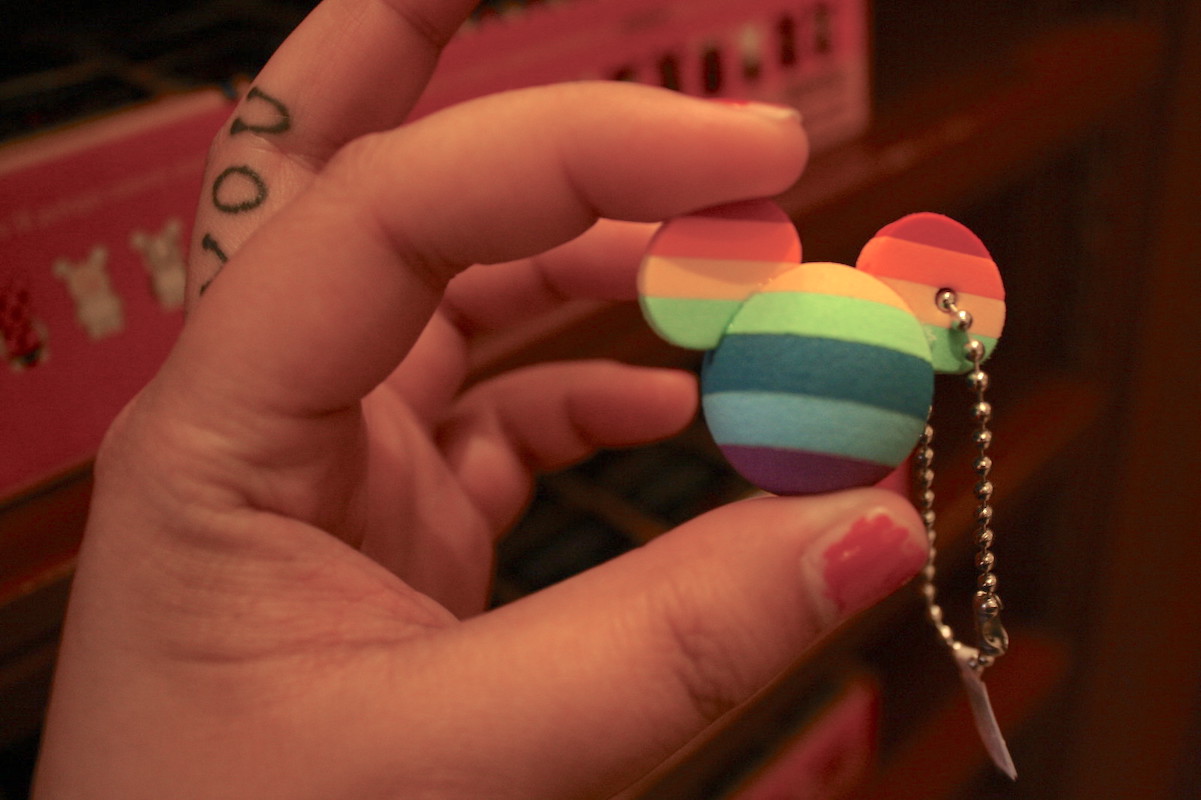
point(982, 713)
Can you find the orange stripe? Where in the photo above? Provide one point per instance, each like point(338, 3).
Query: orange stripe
point(988, 314)
point(704, 278)
point(823, 277)
point(935, 267)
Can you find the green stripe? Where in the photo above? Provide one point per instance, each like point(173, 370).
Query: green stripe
point(849, 319)
point(688, 322)
point(946, 349)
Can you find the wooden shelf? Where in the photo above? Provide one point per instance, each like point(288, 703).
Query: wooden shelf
point(959, 140)
point(944, 753)
point(39, 533)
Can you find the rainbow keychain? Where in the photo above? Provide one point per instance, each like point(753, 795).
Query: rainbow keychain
point(820, 376)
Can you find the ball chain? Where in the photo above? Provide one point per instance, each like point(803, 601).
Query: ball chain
point(986, 604)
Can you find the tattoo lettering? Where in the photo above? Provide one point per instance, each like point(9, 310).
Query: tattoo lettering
point(211, 244)
point(247, 192)
point(239, 189)
point(280, 120)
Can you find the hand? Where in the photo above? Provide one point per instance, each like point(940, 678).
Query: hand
point(291, 538)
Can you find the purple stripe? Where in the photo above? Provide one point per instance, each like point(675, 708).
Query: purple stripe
point(801, 472)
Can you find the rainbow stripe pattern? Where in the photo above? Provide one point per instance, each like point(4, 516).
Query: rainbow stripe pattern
point(822, 381)
point(700, 268)
point(922, 253)
point(819, 376)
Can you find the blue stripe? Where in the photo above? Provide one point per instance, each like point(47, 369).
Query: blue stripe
point(814, 424)
point(831, 368)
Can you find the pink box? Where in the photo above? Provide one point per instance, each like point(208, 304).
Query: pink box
point(813, 55)
point(94, 222)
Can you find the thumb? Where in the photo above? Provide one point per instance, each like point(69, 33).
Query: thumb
point(602, 677)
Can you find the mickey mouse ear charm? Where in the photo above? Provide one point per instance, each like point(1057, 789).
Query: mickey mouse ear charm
point(818, 376)
point(923, 254)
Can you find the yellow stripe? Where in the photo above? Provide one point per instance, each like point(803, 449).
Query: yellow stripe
point(704, 278)
point(988, 314)
point(823, 277)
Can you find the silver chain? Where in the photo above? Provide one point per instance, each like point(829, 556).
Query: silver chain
point(986, 604)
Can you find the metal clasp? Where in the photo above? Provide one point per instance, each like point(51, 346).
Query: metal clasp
point(994, 640)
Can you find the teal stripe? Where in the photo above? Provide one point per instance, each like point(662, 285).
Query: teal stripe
point(689, 322)
point(850, 319)
point(769, 362)
point(813, 424)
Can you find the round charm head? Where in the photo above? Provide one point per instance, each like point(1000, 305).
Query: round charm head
point(819, 376)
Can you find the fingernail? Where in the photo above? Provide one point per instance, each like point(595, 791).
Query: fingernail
point(771, 111)
point(866, 560)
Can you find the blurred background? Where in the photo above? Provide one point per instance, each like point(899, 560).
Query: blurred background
point(1065, 133)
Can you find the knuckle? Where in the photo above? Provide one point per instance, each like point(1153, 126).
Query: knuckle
point(362, 179)
point(707, 661)
point(413, 16)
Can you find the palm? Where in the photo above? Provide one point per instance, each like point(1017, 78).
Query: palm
point(394, 496)
point(421, 522)
point(418, 476)
point(434, 478)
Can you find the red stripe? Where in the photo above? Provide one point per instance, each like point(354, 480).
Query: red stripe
point(937, 231)
point(753, 231)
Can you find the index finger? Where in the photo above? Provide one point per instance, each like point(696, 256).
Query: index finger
point(324, 304)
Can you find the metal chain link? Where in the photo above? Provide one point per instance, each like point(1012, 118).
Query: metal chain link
point(986, 604)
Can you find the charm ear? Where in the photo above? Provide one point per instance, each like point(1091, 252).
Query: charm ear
point(700, 268)
point(921, 254)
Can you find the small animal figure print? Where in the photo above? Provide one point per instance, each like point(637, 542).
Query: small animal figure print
point(97, 307)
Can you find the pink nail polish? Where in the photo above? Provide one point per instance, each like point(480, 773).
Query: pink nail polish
point(872, 559)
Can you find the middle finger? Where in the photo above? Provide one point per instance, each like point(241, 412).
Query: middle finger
point(600, 264)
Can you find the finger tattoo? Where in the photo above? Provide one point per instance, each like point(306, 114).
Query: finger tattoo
point(247, 192)
point(277, 118)
point(240, 188)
